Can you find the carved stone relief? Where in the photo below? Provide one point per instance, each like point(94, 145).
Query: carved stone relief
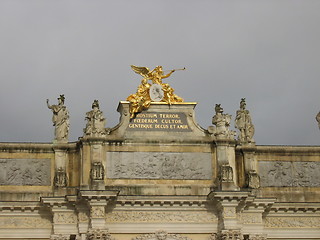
point(160, 217)
point(289, 174)
point(227, 235)
point(97, 171)
point(292, 222)
point(60, 178)
point(250, 218)
point(253, 179)
point(59, 237)
point(33, 172)
point(83, 217)
point(257, 237)
point(229, 212)
point(159, 165)
point(161, 235)
point(64, 218)
point(226, 173)
point(98, 234)
point(24, 222)
point(98, 211)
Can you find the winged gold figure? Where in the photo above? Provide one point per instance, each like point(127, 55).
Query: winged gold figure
point(141, 100)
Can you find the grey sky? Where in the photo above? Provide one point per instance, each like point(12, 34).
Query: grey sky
point(267, 51)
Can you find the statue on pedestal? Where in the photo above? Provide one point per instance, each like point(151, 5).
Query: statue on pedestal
point(60, 120)
point(155, 92)
point(244, 124)
point(96, 121)
point(222, 123)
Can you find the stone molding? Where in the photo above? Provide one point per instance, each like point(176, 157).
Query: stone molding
point(161, 235)
point(59, 237)
point(160, 217)
point(292, 222)
point(257, 237)
point(24, 222)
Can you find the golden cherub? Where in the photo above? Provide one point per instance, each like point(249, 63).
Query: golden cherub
point(155, 92)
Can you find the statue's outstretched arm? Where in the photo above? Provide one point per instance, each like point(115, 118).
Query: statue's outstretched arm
point(50, 107)
point(168, 75)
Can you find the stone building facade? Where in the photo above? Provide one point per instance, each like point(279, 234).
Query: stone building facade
point(159, 176)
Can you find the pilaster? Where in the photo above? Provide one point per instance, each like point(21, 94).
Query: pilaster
point(93, 169)
point(60, 163)
point(97, 202)
point(64, 217)
point(226, 165)
point(250, 165)
point(228, 205)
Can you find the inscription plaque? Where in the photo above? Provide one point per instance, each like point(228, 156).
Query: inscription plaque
point(159, 165)
point(159, 121)
point(34, 172)
point(289, 174)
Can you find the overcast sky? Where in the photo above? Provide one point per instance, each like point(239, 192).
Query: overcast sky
point(267, 51)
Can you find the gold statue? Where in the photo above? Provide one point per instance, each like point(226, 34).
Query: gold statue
point(155, 92)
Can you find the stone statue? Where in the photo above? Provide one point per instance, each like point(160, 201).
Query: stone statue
point(318, 119)
point(155, 92)
point(96, 121)
point(222, 123)
point(244, 124)
point(60, 120)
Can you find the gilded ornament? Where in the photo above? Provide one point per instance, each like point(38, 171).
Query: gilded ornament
point(157, 91)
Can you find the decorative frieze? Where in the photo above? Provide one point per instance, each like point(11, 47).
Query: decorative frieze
point(83, 217)
point(59, 237)
point(64, 218)
point(98, 211)
point(227, 235)
point(161, 235)
point(160, 217)
point(289, 174)
point(292, 222)
point(32, 172)
point(24, 222)
point(257, 237)
point(159, 165)
point(250, 218)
